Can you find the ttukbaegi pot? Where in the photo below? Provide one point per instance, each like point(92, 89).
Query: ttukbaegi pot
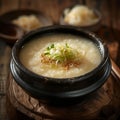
point(54, 90)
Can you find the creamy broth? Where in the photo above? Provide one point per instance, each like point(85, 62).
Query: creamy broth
point(88, 58)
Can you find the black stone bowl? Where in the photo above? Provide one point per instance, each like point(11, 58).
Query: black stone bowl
point(60, 91)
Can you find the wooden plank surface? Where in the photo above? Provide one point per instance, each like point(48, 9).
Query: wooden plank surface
point(102, 104)
point(109, 31)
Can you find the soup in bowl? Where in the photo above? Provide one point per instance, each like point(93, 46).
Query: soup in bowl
point(60, 55)
point(60, 64)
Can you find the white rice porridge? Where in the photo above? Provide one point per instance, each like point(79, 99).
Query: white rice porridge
point(88, 58)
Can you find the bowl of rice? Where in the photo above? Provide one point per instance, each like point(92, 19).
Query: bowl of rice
point(82, 17)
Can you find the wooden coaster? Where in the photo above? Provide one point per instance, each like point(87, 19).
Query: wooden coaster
point(102, 105)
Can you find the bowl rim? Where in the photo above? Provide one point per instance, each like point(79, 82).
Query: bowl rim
point(20, 43)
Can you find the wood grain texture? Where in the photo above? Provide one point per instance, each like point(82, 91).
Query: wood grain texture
point(8, 5)
point(102, 105)
point(4, 70)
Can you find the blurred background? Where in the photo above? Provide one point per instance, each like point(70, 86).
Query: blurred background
point(53, 9)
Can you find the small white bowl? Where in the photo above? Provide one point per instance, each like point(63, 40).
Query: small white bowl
point(91, 27)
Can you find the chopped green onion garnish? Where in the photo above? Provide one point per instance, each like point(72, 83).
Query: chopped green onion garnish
point(61, 54)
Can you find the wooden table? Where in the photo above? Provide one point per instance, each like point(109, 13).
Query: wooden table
point(109, 31)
